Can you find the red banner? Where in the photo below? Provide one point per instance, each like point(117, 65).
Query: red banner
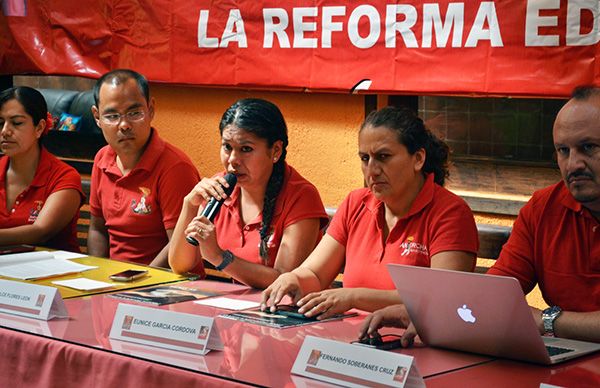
point(503, 47)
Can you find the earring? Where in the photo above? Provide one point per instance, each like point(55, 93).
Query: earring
point(274, 160)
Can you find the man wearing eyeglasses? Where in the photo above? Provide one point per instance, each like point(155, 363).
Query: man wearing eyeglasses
point(138, 180)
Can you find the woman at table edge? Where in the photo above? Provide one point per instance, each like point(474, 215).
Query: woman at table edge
point(273, 218)
point(404, 207)
point(41, 195)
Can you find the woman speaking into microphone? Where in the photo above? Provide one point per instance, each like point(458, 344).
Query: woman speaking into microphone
point(273, 217)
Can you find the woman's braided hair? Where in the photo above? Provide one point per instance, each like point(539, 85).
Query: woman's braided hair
point(263, 119)
point(414, 135)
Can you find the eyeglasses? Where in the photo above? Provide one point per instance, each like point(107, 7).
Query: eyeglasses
point(115, 118)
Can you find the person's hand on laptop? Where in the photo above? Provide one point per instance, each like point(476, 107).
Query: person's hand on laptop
point(391, 316)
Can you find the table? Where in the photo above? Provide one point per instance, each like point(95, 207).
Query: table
point(582, 372)
point(78, 352)
point(253, 354)
point(107, 267)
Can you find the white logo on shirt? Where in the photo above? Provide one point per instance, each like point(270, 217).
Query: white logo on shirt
point(410, 246)
point(141, 207)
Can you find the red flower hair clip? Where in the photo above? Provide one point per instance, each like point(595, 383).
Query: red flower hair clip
point(49, 122)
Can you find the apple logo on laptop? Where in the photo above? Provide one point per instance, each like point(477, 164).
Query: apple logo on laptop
point(465, 314)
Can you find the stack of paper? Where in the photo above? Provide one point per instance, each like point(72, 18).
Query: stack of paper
point(83, 284)
point(229, 303)
point(39, 264)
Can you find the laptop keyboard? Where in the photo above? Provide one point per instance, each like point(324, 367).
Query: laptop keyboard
point(553, 350)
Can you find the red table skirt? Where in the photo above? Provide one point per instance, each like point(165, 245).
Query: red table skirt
point(33, 361)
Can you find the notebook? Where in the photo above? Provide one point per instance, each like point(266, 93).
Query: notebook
point(478, 313)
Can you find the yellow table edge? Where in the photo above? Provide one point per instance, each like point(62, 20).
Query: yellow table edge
point(107, 267)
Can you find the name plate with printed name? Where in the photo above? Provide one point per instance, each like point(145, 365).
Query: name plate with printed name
point(355, 366)
point(31, 300)
point(165, 329)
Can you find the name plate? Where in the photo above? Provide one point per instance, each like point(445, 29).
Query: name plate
point(31, 300)
point(165, 329)
point(355, 366)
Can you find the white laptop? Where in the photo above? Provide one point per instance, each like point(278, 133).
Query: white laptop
point(478, 313)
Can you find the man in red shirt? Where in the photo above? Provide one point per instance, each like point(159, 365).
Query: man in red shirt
point(555, 241)
point(138, 180)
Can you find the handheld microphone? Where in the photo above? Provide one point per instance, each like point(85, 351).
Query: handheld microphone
point(214, 205)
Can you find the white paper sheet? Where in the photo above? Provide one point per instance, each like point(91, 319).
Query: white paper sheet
point(39, 264)
point(67, 255)
point(26, 257)
point(229, 303)
point(42, 268)
point(83, 284)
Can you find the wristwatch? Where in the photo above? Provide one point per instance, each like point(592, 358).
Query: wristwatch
point(227, 259)
point(549, 315)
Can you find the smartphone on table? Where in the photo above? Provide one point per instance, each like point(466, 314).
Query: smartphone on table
point(385, 342)
point(128, 275)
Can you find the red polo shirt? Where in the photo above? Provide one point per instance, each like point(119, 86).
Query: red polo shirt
point(138, 208)
point(555, 242)
point(297, 200)
point(52, 175)
point(437, 221)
